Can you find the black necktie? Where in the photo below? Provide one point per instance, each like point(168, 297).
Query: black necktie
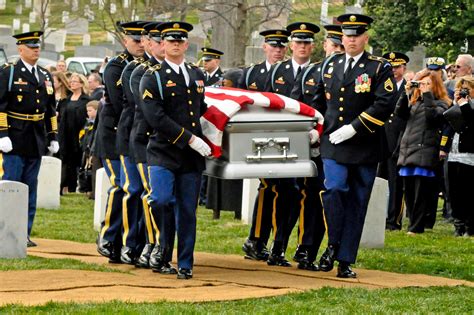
point(181, 75)
point(298, 71)
point(349, 67)
point(33, 72)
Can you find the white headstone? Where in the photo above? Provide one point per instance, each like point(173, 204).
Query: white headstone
point(101, 4)
point(3, 4)
point(249, 193)
point(86, 40)
point(49, 183)
point(19, 9)
point(102, 185)
point(373, 234)
point(13, 219)
point(6, 30)
point(93, 1)
point(32, 17)
point(28, 3)
point(113, 8)
point(25, 28)
point(75, 5)
point(16, 24)
point(56, 38)
point(110, 37)
point(77, 26)
point(126, 4)
point(65, 17)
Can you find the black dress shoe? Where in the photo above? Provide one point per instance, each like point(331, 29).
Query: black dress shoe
point(30, 243)
point(326, 262)
point(344, 271)
point(255, 251)
point(127, 256)
point(301, 255)
point(166, 269)
point(156, 257)
point(308, 266)
point(184, 273)
point(278, 259)
point(144, 260)
point(104, 247)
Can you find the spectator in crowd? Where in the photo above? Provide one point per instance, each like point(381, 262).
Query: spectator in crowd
point(74, 116)
point(461, 159)
point(451, 70)
point(61, 66)
point(463, 66)
point(62, 91)
point(409, 75)
point(95, 86)
point(89, 164)
point(422, 107)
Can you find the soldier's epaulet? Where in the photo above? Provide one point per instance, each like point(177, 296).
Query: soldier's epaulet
point(154, 68)
point(122, 57)
point(192, 65)
point(316, 63)
point(377, 58)
point(6, 65)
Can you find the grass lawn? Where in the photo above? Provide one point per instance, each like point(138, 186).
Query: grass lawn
point(436, 252)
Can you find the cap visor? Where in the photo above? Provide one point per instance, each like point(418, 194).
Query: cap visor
point(299, 39)
point(335, 41)
point(37, 45)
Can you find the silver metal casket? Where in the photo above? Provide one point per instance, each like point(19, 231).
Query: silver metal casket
point(261, 142)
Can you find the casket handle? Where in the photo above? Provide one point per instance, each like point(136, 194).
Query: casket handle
point(259, 145)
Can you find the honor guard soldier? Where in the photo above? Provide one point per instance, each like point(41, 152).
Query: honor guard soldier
point(139, 137)
point(27, 119)
point(211, 61)
point(333, 41)
point(254, 78)
point(281, 80)
point(394, 128)
point(130, 181)
point(358, 90)
point(109, 241)
point(173, 102)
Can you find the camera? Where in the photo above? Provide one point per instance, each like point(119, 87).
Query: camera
point(464, 93)
point(415, 84)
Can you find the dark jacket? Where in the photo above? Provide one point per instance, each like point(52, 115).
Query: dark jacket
point(420, 142)
point(109, 116)
point(254, 77)
point(280, 78)
point(174, 117)
point(216, 79)
point(365, 106)
point(466, 135)
point(30, 135)
point(73, 118)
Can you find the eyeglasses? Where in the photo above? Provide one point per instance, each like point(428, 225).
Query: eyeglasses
point(458, 66)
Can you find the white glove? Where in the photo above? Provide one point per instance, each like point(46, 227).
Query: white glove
point(5, 145)
point(200, 146)
point(342, 134)
point(53, 147)
point(313, 136)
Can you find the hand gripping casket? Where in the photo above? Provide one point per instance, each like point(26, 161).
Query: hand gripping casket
point(263, 142)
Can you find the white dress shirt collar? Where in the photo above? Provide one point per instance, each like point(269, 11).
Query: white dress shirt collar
point(176, 67)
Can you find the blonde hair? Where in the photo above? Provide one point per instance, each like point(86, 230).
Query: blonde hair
point(63, 80)
point(84, 82)
point(467, 79)
point(94, 104)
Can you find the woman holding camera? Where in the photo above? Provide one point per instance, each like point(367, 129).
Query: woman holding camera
point(461, 158)
point(420, 144)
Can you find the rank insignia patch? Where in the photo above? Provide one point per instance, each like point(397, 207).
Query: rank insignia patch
point(388, 85)
point(147, 94)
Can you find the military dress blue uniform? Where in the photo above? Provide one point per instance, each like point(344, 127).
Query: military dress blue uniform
point(28, 119)
point(281, 80)
point(172, 107)
point(110, 237)
point(254, 79)
point(359, 100)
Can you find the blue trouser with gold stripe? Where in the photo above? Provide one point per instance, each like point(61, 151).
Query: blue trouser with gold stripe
point(345, 201)
point(311, 227)
point(132, 211)
point(112, 226)
point(177, 194)
point(148, 224)
point(25, 170)
point(263, 211)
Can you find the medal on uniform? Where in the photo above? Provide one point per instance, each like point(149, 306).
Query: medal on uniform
point(280, 80)
point(170, 83)
point(49, 87)
point(362, 83)
point(310, 82)
point(19, 98)
point(253, 86)
point(200, 86)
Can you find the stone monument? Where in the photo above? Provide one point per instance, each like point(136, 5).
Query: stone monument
point(373, 234)
point(49, 183)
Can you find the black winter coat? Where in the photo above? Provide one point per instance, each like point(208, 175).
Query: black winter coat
point(420, 142)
